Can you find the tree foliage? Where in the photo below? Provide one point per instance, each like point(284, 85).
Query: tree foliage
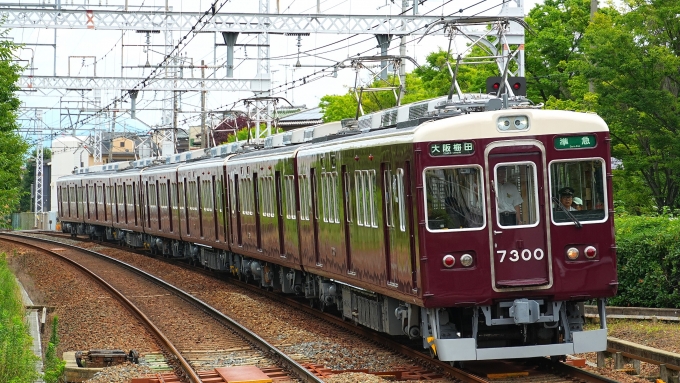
point(634, 61)
point(12, 146)
point(17, 361)
point(431, 80)
point(232, 122)
point(648, 256)
point(54, 367)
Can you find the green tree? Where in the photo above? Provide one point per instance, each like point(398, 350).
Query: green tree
point(28, 179)
point(337, 107)
point(12, 146)
point(244, 134)
point(634, 62)
point(426, 82)
point(555, 57)
point(54, 367)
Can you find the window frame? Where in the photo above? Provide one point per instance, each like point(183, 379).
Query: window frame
point(537, 204)
point(483, 209)
point(605, 193)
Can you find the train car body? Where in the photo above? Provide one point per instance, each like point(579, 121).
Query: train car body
point(417, 221)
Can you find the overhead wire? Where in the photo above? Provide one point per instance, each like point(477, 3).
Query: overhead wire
point(177, 49)
point(305, 79)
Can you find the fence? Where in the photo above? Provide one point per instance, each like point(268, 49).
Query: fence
point(32, 221)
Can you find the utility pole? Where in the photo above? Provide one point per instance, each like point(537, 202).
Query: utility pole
point(593, 9)
point(204, 133)
point(402, 53)
point(38, 171)
point(113, 129)
point(174, 122)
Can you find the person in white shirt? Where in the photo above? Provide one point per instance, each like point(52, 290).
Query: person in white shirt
point(508, 200)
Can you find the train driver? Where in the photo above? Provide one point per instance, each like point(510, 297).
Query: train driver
point(567, 198)
point(508, 199)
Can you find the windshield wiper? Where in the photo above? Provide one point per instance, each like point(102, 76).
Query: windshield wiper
point(564, 209)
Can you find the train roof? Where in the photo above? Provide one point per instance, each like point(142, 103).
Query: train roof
point(470, 117)
point(486, 125)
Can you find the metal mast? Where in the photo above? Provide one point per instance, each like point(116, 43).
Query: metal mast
point(38, 207)
point(262, 107)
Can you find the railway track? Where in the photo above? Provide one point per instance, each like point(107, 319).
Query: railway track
point(166, 310)
point(532, 370)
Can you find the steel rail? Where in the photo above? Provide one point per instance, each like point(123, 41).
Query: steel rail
point(422, 358)
point(301, 372)
point(126, 302)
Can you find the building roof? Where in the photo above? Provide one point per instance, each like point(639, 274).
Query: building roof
point(307, 117)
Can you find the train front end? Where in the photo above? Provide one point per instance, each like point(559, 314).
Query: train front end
point(516, 233)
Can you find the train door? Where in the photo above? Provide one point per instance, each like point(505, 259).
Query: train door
point(347, 210)
point(237, 205)
point(518, 224)
point(315, 215)
point(279, 212)
point(256, 200)
point(388, 223)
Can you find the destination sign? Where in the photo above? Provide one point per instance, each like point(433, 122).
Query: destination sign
point(451, 148)
point(575, 142)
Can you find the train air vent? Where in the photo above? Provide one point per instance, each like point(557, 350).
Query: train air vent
point(417, 111)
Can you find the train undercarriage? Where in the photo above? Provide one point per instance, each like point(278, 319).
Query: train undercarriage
point(520, 328)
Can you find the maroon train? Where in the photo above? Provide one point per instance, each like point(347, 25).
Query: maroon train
point(398, 220)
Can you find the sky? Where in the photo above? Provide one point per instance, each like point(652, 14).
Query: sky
point(76, 48)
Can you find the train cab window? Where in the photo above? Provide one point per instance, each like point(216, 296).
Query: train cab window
point(578, 191)
point(454, 198)
point(516, 195)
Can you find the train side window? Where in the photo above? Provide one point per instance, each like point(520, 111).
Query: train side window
point(360, 197)
point(371, 192)
point(388, 190)
point(163, 195)
point(270, 194)
point(232, 195)
point(454, 198)
point(324, 197)
point(348, 202)
point(207, 200)
point(400, 199)
point(290, 197)
point(580, 187)
point(243, 191)
point(334, 195)
point(305, 197)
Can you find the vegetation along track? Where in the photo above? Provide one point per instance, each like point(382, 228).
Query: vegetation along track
point(475, 372)
point(182, 323)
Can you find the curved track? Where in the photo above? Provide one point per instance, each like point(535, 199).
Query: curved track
point(163, 308)
point(533, 370)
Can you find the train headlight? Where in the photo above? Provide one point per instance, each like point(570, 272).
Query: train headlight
point(512, 123)
point(520, 122)
point(503, 123)
point(466, 260)
point(449, 260)
point(590, 252)
point(572, 253)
